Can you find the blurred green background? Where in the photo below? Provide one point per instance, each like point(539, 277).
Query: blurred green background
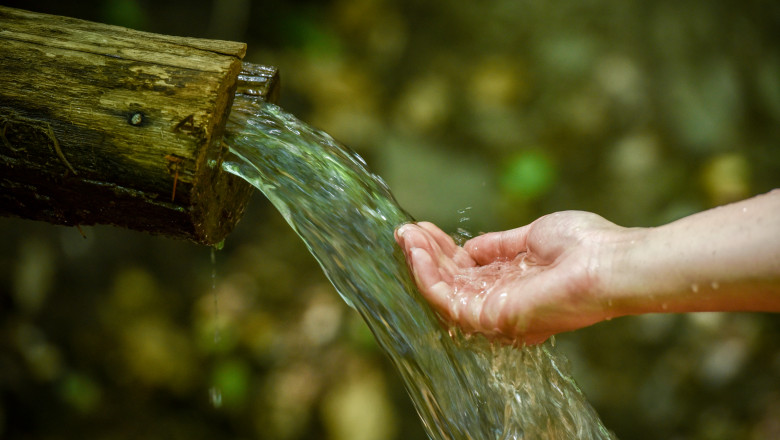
point(480, 116)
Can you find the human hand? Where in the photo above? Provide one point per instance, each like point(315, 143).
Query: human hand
point(521, 285)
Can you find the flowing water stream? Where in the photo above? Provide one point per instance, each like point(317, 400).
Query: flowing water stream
point(463, 387)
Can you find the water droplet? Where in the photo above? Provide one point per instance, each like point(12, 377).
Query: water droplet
point(694, 288)
point(744, 209)
point(464, 233)
point(714, 285)
point(215, 397)
point(664, 306)
point(214, 291)
point(609, 303)
point(461, 236)
point(463, 212)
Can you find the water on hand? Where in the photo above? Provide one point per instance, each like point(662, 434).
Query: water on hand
point(463, 387)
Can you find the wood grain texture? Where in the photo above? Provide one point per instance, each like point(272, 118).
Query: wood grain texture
point(103, 124)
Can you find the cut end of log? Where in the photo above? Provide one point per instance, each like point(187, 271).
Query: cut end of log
point(221, 200)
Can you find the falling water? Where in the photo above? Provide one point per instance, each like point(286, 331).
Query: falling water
point(464, 387)
point(215, 393)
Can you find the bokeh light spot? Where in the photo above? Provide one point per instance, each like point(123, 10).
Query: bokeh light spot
point(528, 175)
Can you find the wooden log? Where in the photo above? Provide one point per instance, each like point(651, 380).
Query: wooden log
point(101, 124)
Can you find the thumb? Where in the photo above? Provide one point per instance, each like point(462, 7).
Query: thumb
point(498, 245)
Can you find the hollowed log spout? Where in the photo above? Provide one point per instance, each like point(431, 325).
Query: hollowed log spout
point(101, 124)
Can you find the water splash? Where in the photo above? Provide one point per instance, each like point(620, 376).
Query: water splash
point(462, 234)
point(464, 387)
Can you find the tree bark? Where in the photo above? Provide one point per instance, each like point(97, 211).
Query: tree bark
point(101, 124)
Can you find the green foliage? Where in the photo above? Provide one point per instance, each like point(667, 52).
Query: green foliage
point(528, 175)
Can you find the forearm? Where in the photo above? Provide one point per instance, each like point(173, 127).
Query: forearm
point(724, 259)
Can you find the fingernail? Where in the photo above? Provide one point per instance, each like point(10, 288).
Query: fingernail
point(402, 230)
point(399, 236)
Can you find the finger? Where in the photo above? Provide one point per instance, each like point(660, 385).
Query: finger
point(415, 236)
point(448, 246)
point(467, 311)
point(430, 281)
point(492, 310)
point(445, 242)
point(411, 236)
point(399, 236)
point(498, 245)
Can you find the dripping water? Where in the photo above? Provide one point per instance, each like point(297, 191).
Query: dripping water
point(215, 393)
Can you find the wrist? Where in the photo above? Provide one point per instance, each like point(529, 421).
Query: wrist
point(628, 282)
point(665, 270)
